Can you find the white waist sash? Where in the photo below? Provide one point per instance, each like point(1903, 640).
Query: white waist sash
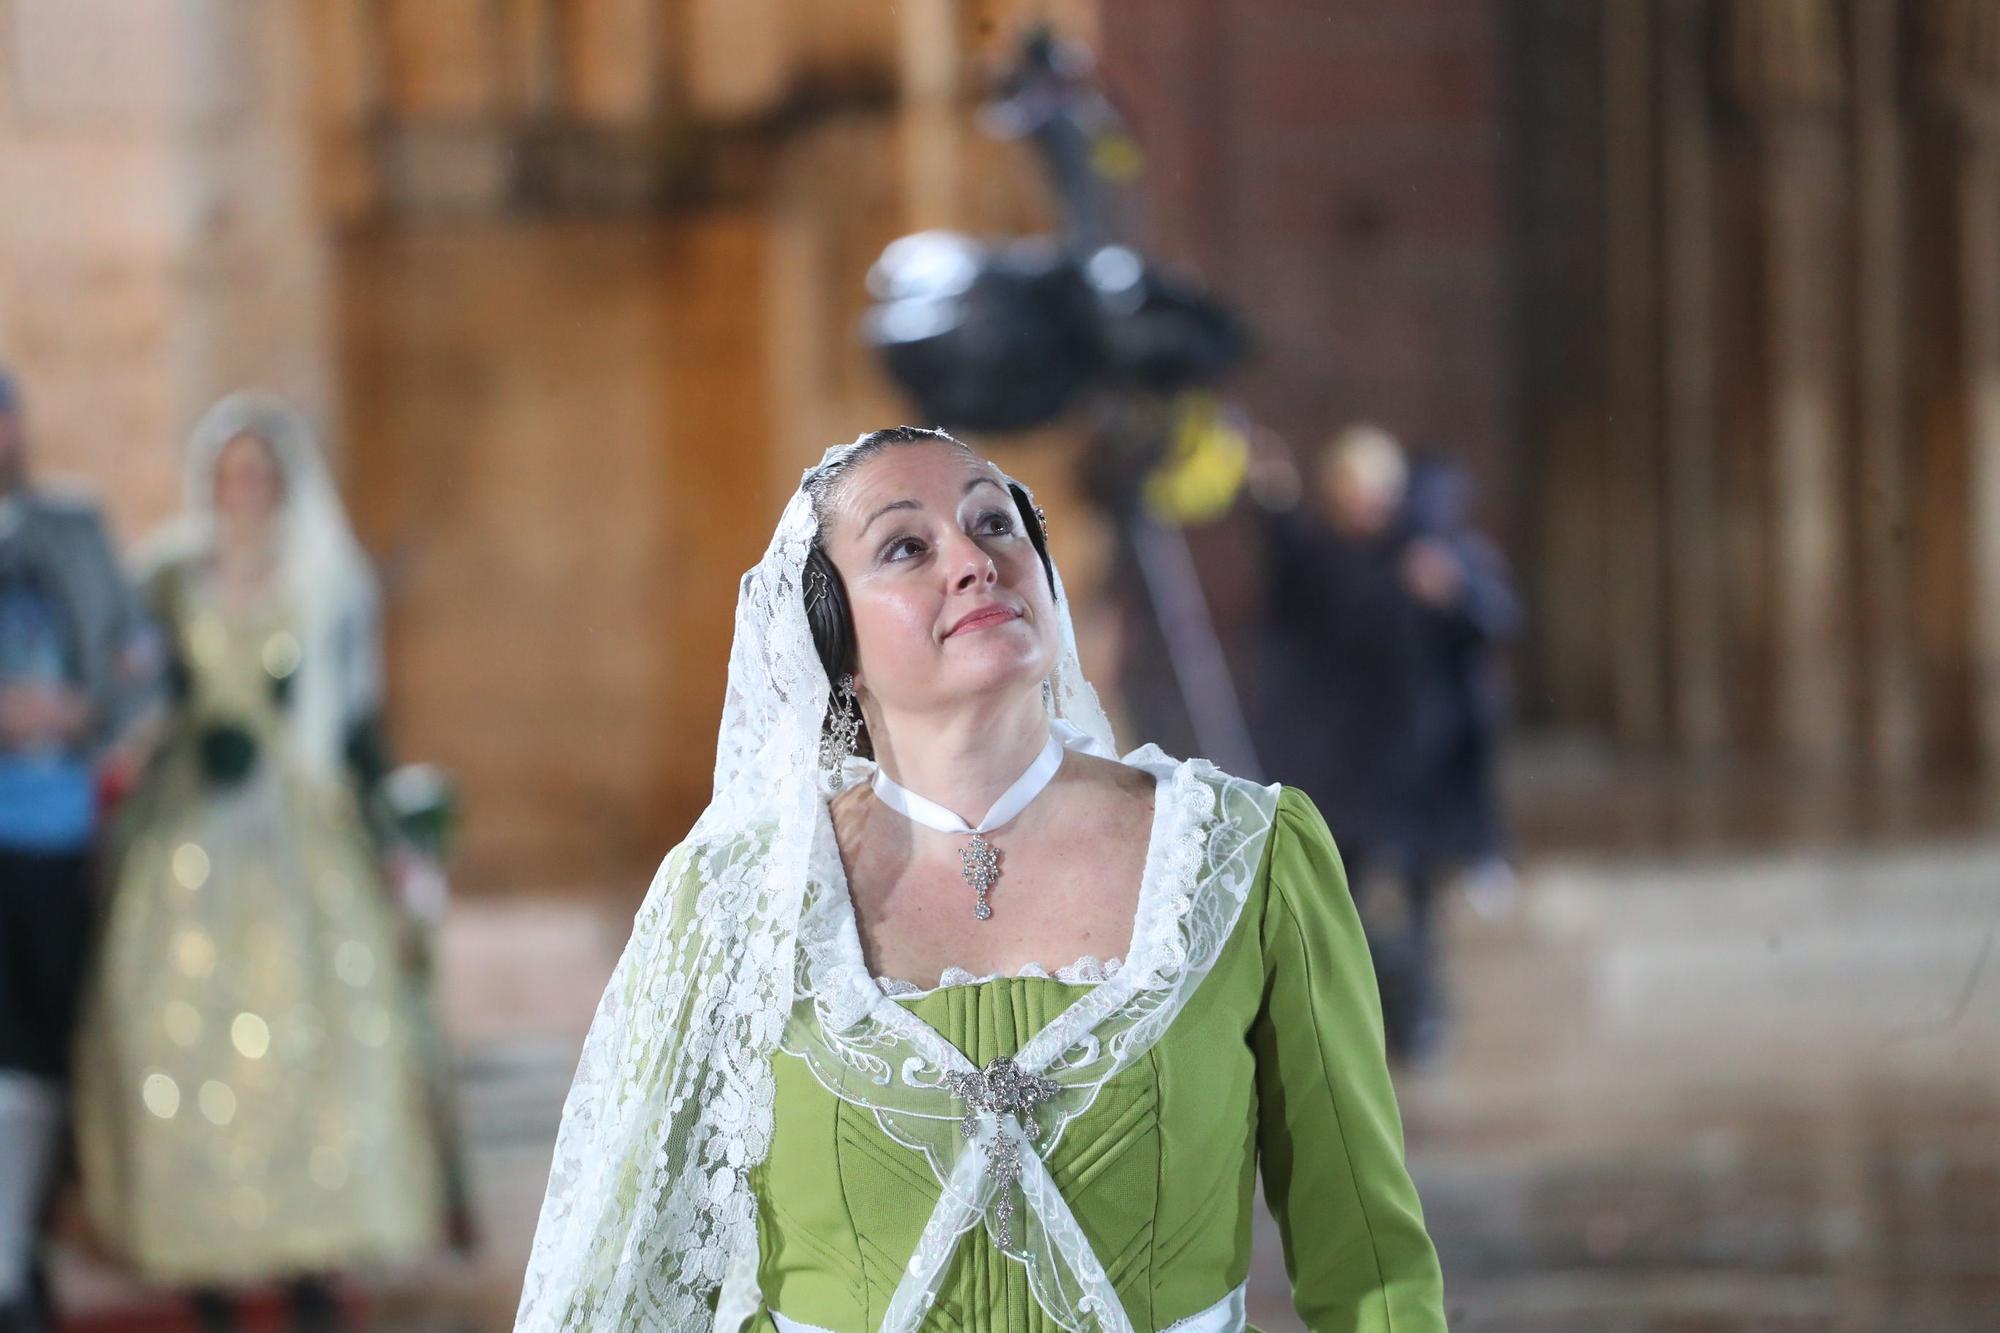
point(1227, 1315)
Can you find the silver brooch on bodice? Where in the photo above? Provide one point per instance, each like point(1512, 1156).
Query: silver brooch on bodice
point(1002, 1088)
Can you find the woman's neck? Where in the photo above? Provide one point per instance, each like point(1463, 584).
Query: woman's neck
point(964, 760)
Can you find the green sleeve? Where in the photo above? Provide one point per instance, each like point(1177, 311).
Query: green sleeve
point(1329, 1135)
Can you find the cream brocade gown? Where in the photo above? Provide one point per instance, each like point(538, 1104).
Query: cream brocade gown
point(249, 1101)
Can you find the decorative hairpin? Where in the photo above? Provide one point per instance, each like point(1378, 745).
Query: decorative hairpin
point(816, 585)
point(1041, 517)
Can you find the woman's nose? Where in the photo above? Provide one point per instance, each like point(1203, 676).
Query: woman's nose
point(973, 565)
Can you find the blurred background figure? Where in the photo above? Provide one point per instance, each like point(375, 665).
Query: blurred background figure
point(1468, 614)
point(72, 660)
point(1373, 691)
point(252, 1105)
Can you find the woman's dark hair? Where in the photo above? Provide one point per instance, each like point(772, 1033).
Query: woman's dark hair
point(825, 595)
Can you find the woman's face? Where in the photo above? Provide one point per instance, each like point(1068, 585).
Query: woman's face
point(948, 596)
point(248, 486)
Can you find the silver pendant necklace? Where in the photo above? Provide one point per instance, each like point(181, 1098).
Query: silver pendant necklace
point(979, 860)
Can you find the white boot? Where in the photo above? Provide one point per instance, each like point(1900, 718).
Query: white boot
point(30, 1137)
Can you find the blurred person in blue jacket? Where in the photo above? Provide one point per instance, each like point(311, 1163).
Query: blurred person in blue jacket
point(73, 669)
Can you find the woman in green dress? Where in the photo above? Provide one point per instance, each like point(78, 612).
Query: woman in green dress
point(251, 1104)
point(971, 1024)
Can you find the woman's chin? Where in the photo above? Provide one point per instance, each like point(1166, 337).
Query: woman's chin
point(997, 669)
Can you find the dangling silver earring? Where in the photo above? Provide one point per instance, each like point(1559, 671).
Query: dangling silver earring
point(842, 732)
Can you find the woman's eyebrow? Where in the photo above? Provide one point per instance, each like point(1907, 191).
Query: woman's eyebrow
point(893, 505)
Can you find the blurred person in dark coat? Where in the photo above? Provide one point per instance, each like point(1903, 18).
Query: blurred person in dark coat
point(1470, 609)
point(1372, 691)
point(73, 667)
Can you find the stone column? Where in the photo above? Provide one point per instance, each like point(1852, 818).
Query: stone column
point(1785, 62)
point(1636, 609)
point(740, 57)
point(616, 60)
point(1963, 67)
point(1895, 726)
point(933, 113)
point(1694, 518)
point(158, 247)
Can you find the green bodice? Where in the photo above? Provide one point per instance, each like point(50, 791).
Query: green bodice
point(1276, 1063)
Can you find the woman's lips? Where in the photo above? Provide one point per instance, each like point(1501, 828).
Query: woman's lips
point(981, 619)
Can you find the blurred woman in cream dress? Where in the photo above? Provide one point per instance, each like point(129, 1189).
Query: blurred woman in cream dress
point(251, 1104)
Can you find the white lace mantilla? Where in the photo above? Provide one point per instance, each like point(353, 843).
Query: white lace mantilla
point(747, 939)
point(1085, 971)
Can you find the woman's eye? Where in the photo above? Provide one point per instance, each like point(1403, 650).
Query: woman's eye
point(992, 523)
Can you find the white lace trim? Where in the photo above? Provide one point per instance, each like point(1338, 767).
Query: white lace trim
point(1085, 971)
point(1207, 835)
point(1225, 1316)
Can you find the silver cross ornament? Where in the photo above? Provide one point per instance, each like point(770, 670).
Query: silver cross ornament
point(1002, 1088)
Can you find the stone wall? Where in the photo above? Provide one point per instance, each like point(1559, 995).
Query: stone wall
point(601, 271)
point(1336, 170)
point(1767, 499)
point(159, 245)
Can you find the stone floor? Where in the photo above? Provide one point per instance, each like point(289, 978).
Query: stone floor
point(1723, 1093)
point(1688, 1089)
